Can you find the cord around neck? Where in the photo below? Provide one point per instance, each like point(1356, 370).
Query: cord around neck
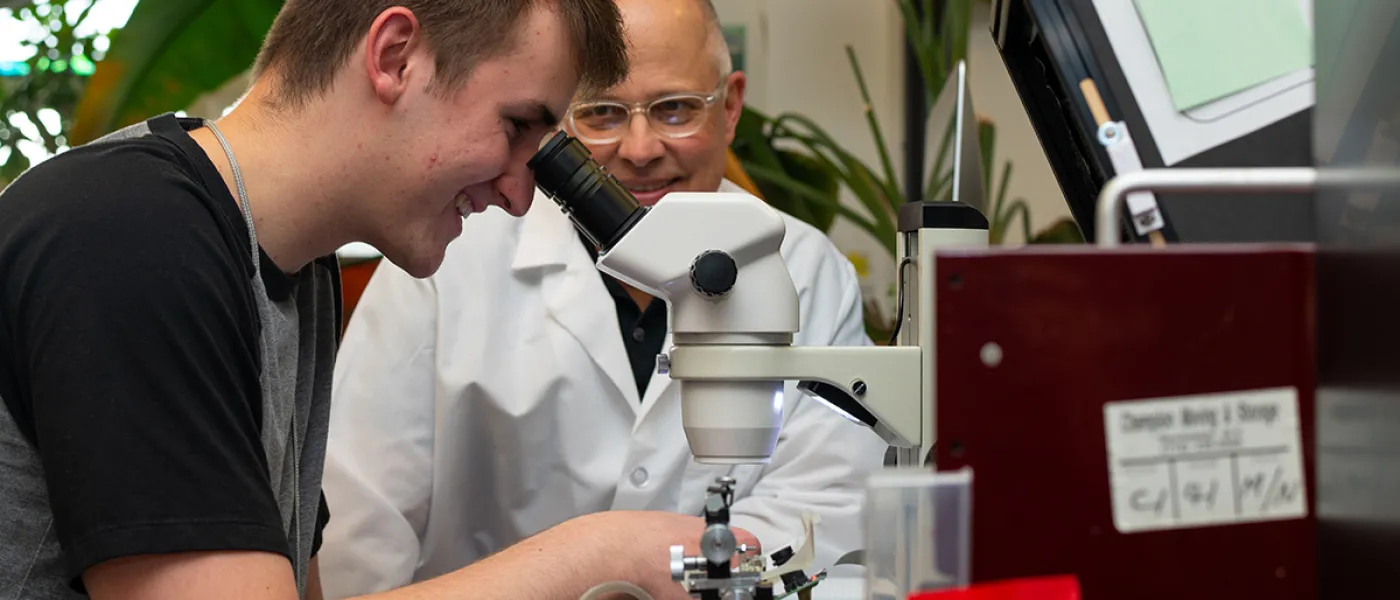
point(242, 193)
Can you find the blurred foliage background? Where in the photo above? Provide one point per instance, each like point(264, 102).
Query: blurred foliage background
point(40, 86)
point(87, 67)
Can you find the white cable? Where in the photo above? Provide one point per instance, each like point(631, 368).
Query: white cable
point(621, 587)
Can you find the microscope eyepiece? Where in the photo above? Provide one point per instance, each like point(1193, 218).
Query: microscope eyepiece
point(598, 205)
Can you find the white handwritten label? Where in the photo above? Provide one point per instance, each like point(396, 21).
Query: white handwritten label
point(1209, 459)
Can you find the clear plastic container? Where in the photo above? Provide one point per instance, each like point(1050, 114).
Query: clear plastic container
point(918, 532)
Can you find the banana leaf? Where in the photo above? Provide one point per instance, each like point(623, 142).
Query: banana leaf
point(64, 44)
point(169, 54)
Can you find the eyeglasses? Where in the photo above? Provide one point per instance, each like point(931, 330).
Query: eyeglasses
point(674, 116)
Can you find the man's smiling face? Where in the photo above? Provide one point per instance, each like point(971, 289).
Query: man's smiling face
point(671, 57)
point(462, 151)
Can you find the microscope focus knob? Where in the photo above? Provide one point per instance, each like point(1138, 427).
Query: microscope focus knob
point(713, 273)
point(717, 544)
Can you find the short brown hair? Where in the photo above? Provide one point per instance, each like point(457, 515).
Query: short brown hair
point(311, 39)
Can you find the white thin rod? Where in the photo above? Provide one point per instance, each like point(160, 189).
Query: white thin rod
point(1259, 180)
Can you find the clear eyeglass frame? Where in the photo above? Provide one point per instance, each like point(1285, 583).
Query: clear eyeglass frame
point(644, 107)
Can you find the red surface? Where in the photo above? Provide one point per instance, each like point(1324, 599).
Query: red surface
point(1077, 329)
point(353, 279)
point(1035, 588)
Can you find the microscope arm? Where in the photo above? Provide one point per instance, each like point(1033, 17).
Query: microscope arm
point(872, 385)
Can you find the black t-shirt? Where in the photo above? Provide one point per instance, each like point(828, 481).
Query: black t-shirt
point(130, 362)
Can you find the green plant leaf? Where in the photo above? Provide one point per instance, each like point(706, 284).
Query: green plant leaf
point(926, 24)
point(919, 33)
point(887, 224)
point(1063, 231)
point(812, 194)
point(751, 143)
point(958, 24)
point(999, 212)
point(851, 171)
point(813, 171)
point(863, 185)
point(891, 183)
point(986, 142)
point(62, 46)
point(784, 198)
point(1019, 206)
point(169, 54)
point(754, 148)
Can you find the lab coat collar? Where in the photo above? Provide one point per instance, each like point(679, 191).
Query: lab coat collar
point(573, 293)
point(541, 231)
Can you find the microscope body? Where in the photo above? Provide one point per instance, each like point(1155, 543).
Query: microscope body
point(714, 258)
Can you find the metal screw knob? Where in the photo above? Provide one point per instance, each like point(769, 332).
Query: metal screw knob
point(677, 563)
point(717, 544)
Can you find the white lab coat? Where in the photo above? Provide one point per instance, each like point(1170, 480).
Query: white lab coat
point(495, 399)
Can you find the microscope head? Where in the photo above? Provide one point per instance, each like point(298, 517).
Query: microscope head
point(714, 259)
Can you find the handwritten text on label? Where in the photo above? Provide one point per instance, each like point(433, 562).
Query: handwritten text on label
point(1205, 460)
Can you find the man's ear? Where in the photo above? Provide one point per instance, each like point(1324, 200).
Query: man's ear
point(392, 39)
point(733, 104)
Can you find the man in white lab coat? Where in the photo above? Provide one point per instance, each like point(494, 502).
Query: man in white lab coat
point(503, 396)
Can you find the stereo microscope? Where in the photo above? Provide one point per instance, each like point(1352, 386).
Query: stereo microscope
point(714, 259)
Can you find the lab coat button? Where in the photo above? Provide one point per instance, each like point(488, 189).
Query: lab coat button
point(639, 477)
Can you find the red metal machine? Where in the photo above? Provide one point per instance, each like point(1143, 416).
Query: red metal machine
point(1141, 419)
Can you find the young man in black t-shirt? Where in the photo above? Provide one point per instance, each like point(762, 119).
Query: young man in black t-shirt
point(170, 307)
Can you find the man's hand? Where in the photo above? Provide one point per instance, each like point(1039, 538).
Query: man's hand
point(564, 561)
point(646, 539)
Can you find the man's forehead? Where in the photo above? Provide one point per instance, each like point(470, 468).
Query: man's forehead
point(669, 52)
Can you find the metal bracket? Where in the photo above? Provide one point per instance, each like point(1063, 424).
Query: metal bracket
point(1244, 180)
point(712, 572)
